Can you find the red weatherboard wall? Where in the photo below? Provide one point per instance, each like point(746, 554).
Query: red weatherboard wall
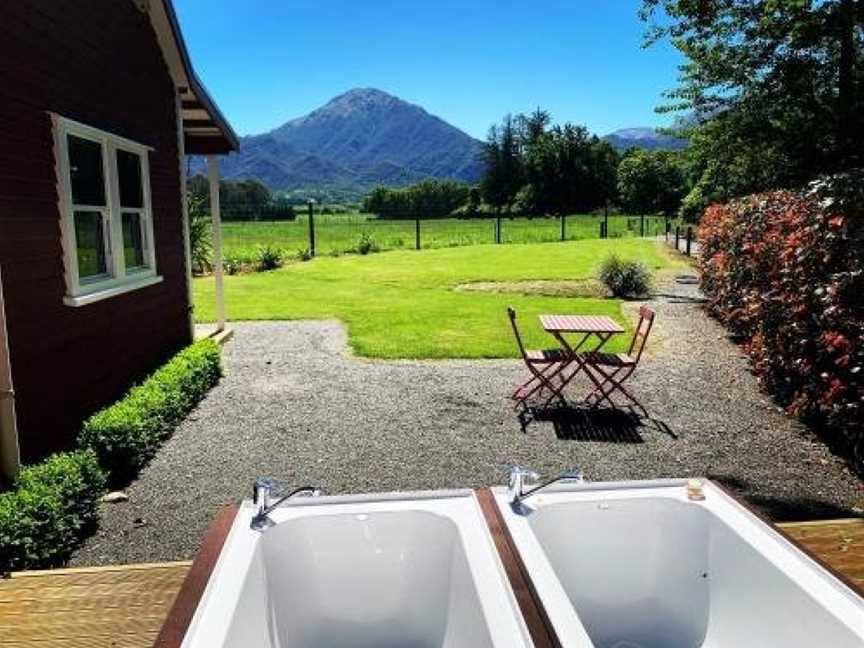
point(98, 63)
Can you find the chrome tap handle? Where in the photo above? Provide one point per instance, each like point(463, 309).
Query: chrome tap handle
point(264, 490)
point(518, 478)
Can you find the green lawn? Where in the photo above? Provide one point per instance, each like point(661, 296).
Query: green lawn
point(402, 304)
point(337, 233)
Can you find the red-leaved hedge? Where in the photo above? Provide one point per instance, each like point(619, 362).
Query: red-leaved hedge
point(784, 271)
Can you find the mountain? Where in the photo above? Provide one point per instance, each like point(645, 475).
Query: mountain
point(646, 138)
point(358, 140)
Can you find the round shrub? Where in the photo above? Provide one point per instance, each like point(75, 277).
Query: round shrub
point(625, 278)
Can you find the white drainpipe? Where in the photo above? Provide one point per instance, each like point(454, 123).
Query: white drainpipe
point(181, 154)
point(10, 458)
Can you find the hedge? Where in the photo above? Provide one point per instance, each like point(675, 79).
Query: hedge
point(784, 271)
point(48, 510)
point(127, 434)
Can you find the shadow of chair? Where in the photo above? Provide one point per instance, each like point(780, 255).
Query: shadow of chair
point(583, 423)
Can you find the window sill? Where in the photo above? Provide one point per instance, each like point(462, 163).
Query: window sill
point(112, 291)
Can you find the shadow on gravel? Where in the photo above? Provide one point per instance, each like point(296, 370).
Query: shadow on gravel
point(784, 509)
point(578, 423)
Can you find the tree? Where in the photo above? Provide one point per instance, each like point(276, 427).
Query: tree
point(246, 194)
point(650, 182)
point(776, 89)
point(541, 170)
point(503, 175)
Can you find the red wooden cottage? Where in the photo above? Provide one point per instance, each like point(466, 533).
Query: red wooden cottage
point(99, 104)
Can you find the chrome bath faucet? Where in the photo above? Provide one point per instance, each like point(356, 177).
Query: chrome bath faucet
point(263, 494)
point(520, 477)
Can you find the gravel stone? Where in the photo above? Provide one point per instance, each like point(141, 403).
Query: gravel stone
point(295, 404)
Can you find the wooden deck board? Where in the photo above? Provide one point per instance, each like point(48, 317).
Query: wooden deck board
point(125, 606)
point(838, 543)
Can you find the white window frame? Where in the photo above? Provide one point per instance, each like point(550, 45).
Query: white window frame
point(117, 279)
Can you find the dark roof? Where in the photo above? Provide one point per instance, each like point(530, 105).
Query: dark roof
point(205, 129)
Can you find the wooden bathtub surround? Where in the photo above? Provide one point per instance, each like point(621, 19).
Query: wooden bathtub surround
point(190, 593)
point(124, 606)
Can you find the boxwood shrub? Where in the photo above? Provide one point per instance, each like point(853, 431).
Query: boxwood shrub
point(49, 510)
point(127, 434)
point(784, 271)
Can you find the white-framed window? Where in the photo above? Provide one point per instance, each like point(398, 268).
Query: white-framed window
point(105, 213)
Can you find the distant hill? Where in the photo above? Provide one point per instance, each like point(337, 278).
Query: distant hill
point(645, 138)
point(358, 140)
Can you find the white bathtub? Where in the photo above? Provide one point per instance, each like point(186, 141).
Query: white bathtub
point(409, 570)
point(638, 565)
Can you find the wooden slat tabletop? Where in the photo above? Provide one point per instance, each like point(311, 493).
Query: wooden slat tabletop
point(124, 606)
point(580, 324)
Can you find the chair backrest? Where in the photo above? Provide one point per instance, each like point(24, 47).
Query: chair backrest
point(512, 315)
point(640, 336)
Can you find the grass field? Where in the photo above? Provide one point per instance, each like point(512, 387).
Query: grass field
point(336, 234)
point(405, 304)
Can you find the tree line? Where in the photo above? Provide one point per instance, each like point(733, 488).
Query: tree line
point(533, 168)
point(425, 199)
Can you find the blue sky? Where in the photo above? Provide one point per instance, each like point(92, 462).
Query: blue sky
point(467, 61)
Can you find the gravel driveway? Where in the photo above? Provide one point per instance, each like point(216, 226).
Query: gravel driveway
point(294, 404)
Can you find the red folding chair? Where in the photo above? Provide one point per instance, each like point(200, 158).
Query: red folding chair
point(608, 371)
point(545, 366)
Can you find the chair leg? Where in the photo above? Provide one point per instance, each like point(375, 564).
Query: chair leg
point(616, 385)
point(543, 378)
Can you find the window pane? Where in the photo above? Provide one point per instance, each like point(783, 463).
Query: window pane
point(90, 244)
point(85, 170)
point(129, 172)
point(133, 241)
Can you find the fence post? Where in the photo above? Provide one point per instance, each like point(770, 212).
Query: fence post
point(498, 229)
point(417, 234)
point(677, 237)
point(606, 221)
point(642, 225)
point(689, 238)
point(667, 227)
point(563, 227)
point(312, 228)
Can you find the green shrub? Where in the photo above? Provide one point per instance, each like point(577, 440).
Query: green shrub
point(784, 271)
point(49, 510)
point(366, 244)
point(625, 278)
point(305, 254)
point(200, 235)
point(232, 265)
point(270, 258)
point(127, 434)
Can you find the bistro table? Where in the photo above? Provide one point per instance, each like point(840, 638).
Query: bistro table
point(599, 326)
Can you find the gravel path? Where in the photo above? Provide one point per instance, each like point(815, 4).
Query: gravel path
point(294, 404)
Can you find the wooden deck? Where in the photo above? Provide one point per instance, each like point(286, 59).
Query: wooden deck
point(125, 606)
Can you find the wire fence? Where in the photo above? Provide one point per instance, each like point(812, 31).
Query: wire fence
point(344, 233)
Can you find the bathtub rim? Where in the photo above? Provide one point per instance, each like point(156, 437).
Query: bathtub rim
point(497, 600)
point(809, 572)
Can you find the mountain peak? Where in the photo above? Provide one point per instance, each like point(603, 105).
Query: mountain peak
point(361, 100)
point(359, 139)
